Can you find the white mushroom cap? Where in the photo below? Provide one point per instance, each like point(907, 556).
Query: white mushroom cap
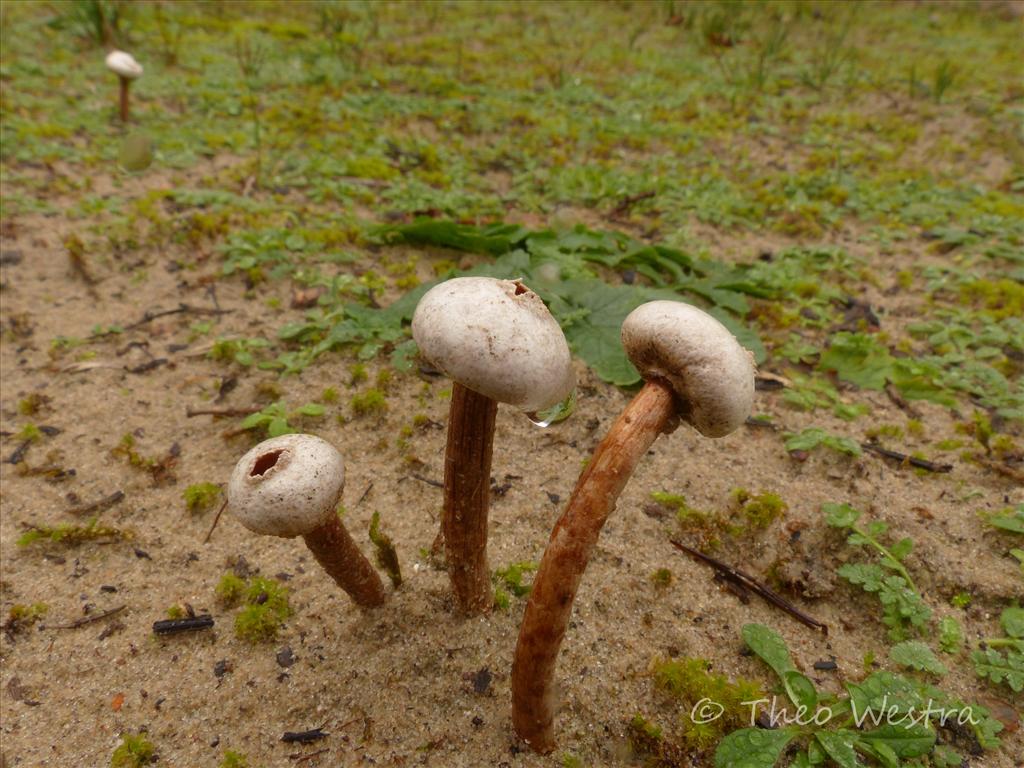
point(497, 338)
point(124, 65)
point(287, 486)
point(711, 373)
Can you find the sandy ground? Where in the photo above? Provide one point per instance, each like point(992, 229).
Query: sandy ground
point(404, 685)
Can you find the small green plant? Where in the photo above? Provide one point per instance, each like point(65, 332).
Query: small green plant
point(387, 556)
point(1010, 519)
point(759, 511)
point(275, 418)
point(230, 589)
point(692, 689)
point(510, 578)
point(201, 497)
point(265, 605)
point(233, 759)
point(662, 578)
point(1001, 659)
point(20, 617)
point(237, 350)
point(69, 535)
point(913, 654)
point(372, 401)
point(903, 608)
point(812, 437)
point(134, 751)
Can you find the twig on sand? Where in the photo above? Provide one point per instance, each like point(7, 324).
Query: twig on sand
point(751, 584)
point(216, 520)
point(88, 619)
point(219, 412)
point(188, 624)
point(98, 506)
point(903, 458)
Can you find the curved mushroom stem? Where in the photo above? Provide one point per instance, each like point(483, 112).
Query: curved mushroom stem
point(334, 549)
point(125, 85)
point(573, 538)
point(467, 495)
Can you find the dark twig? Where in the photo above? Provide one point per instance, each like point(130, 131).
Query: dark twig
point(426, 480)
point(88, 619)
point(192, 412)
point(365, 494)
point(304, 737)
point(98, 506)
point(629, 201)
point(216, 520)
point(149, 317)
point(900, 402)
point(189, 624)
point(750, 583)
point(903, 458)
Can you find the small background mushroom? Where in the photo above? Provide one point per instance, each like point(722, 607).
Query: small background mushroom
point(127, 69)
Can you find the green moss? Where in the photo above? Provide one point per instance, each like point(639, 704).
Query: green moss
point(201, 497)
point(961, 600)
point(759, 511)
point(69, 535)
point(384, 379)
point(689, 517)
point(329, 395)
point(387, 556)
point(29, 433)
point(266, 609)
point(357, 374)
point(234, 759)
point(32, 404)
point(126, 450)
point(21, 617)
point(502, 599)
point(661, 578)
point(511, 577)
point(175, 612)
point(894, 431)
point(372, 401)
point(230, 589)
point(689, 680)
point(134, 751)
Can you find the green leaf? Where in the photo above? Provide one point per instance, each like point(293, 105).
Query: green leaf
point(839, 746)
point(840, 515)
point(255, 420)
point(951, 635)
point(311, 409)
point(800, 690)
point(753, 747)
point(278, 426)
point(769, 646)
point(494, 240)
point(868, 576)
point(1012, 620)
point(998, 668)
point(1009, 520)
point(903, 741)
point(917, 655)
point(859, 359)
point(901, 548)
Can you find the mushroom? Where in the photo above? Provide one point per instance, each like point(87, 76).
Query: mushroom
point(290, 486)
point(498, 342)
point(695, 370)
point(127, 69)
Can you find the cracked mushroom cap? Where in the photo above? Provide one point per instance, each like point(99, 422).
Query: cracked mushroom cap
point(496, 338)
point(710, 372)
point(287, 486)
point(124, 65)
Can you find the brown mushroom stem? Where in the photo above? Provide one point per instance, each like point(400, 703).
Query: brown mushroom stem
point(334, 549)
point(125, 85)
point(467, 494)
point(572, 541)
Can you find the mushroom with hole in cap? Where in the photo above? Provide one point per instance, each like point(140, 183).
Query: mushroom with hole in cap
point(291, 486)
point(695, 370)
point(127, 69)
point(498, 342)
